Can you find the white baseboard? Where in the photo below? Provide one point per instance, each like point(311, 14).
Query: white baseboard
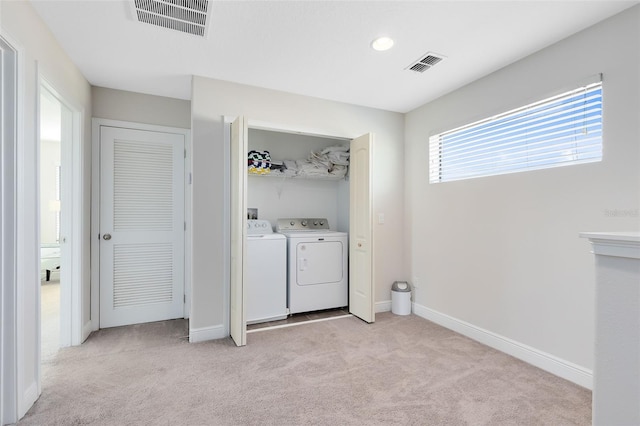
point(554, 365)
point(28, 399)
point(384, 306)
point(207, 333)
point(87, 328)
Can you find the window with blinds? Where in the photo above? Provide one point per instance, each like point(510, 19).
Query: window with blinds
point(559, 131)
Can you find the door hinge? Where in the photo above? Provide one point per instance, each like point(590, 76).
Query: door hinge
point(185, 226)
point(190, 178)
point(185, 153)
point(184, 298)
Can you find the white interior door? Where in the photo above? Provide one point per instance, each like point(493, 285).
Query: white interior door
point(66, 237)
point(142, 226)
point(361, 290)
point(239, 148)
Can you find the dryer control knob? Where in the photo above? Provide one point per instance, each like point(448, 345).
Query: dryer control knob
point(315, 223)
point(304, 223)
point(321, 222)
point(292, 223)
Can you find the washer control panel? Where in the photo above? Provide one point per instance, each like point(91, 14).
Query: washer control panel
point(302, 224)
point(259, 227)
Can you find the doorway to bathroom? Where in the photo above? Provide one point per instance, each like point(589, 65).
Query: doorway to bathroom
point(51, 116)
point(60, 224)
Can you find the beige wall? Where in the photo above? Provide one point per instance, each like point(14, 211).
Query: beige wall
point(502, 253)
point(40, 55)
point(211, 100)
point(121, 105)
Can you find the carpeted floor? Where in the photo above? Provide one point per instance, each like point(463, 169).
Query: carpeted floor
point(401, 370)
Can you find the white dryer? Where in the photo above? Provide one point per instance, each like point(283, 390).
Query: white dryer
point(266, 273)
point(317, 265)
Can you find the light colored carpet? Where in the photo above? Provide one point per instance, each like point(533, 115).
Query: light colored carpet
point(401, 370)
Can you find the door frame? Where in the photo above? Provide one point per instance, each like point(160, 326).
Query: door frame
point(12, 398)
point(72, 331)
point(275, 127)
point(96, 124)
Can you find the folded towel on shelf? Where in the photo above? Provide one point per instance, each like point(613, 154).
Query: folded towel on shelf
point(330, 156)
point(336, 154)
point(290, 168)
point(337, 148)
point(328, 162)
point(319, 160)
point(339, 158)
point(307, 168)
point(331, 161)
point(338, 171)
point(286, 168)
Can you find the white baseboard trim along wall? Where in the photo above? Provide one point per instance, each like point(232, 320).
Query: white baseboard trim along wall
point(30, 395)
point(207, 333)
point(87, 328)
point(554, 365)
point(384, 306)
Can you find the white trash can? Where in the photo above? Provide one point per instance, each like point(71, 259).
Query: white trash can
point(401, 298)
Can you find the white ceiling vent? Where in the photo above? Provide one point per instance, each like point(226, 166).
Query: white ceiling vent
point(427, 61)
point(187, 16)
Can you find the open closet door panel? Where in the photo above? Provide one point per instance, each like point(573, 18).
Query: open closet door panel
point(361, 279)
point(239, 137)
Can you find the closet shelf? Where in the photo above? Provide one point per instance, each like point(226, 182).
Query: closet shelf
point(305, 177)
point(315, 167)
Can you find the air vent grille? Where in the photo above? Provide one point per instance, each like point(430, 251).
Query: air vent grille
point(425, 62)
point(430, 60)
point(419, 67)
point(187, 16)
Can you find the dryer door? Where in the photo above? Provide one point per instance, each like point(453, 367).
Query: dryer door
point(319, 262)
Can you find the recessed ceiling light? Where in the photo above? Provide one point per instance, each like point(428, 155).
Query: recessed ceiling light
point(382, 43)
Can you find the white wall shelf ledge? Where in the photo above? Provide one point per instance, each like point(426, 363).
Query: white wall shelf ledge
point(616, 375)
point(619, 244)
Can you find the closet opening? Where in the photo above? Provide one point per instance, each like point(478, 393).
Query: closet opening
point(297, 177)
point(283, 187)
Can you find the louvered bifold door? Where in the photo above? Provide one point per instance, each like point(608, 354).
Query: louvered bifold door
point(141, 226)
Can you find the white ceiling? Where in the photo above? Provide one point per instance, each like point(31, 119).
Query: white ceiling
point(317, 48)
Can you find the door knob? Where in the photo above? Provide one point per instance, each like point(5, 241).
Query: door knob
point(107, 236)
point(359, 244)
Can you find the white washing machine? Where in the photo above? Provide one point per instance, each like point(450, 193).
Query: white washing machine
point(266, 273)
point(317, 265)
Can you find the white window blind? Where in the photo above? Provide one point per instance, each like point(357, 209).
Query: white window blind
point(562, 130)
